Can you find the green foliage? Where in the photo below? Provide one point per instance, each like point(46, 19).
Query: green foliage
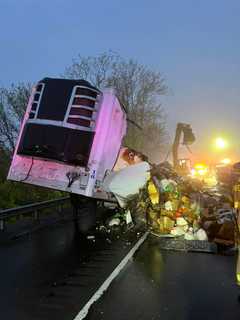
point(13, 194)
point(13, 102)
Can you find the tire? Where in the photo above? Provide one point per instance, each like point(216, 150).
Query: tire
point(85, 210)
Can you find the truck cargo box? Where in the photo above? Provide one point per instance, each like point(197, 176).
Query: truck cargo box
point(69, 138)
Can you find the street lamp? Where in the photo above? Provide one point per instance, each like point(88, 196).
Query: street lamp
point(220, 143)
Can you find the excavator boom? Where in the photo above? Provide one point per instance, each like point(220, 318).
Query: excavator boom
point(183, 130)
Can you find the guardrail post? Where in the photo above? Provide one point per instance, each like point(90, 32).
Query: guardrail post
point(2, 225)
point(60, 209)
point(33, 209)
point(36, 215)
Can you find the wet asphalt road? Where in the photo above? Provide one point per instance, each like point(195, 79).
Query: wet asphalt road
point(52, 273)
point(172, 285)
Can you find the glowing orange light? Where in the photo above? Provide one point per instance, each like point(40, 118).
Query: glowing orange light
point(200, 169)
point(226, 161)
point(200, 166)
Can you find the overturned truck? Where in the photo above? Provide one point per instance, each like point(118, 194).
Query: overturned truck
point(70, 137)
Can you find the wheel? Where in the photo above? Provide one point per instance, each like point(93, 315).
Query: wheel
point(85, 210)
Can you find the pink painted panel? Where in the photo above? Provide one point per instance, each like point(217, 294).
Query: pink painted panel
point(109, 132)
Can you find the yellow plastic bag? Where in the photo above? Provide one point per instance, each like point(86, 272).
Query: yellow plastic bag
point(238, 278)
point(165, 224)
point(153, 193)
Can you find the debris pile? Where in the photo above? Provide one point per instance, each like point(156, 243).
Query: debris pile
point(173, 206)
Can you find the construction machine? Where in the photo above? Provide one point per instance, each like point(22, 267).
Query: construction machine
point(184, 136)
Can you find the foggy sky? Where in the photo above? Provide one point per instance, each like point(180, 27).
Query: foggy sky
point(195, 44)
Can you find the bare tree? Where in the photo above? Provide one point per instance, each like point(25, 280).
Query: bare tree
point(138, 88)
point(96, 70)
point(13, 102)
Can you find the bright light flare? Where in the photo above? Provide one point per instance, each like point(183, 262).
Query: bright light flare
point(199, 169)
point(193, 172)
point(200, 166)
point(220, 143)
point(226, 161)
point(202, 172)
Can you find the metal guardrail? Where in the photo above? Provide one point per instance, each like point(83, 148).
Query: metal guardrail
point(31, 208)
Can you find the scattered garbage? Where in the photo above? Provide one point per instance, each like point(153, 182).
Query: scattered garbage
point(181, 208)
point(179, 244)
point(182, 212)
point(114, 222)
point(91, 237)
